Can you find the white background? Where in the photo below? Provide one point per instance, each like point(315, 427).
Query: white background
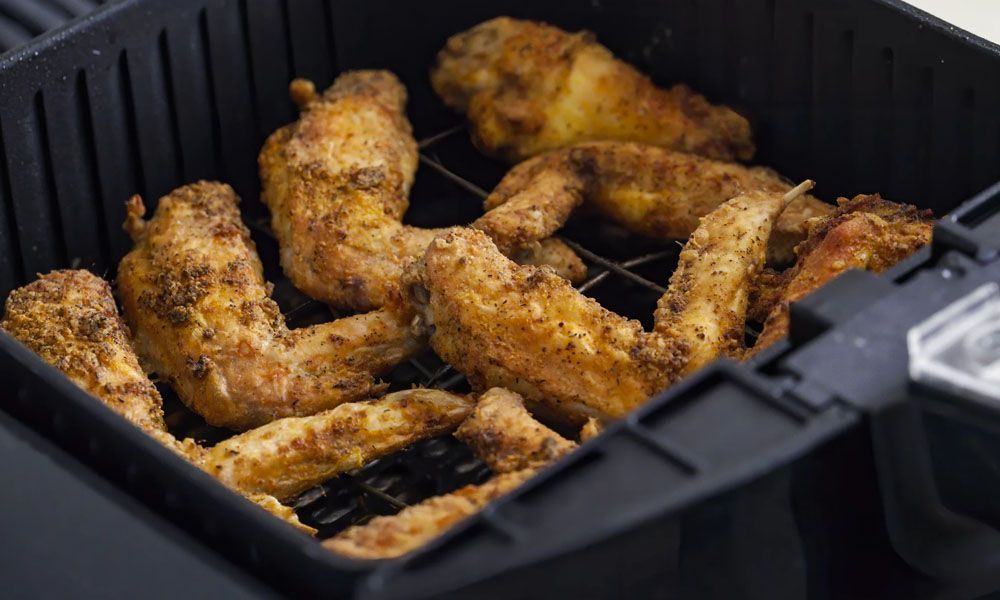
point(981, 17)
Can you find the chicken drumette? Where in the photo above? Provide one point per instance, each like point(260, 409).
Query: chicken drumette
point(528, 87)
point(194, 294)
point(337, 183)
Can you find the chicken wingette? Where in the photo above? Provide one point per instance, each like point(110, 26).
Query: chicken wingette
point(524, 329)
point(507, 438)
point(194, 295)
point(414, 526)
point(503, 435)
point(70, 320)
point(865, 232)
point(528, 87)
point(337, 183)
point(290, 455)
point(643, 188)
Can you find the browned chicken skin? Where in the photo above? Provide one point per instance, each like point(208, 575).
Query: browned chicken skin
point(865, 232)
point(529, 331)
point(707, 300)
point(194, 294)
point(290, 455)
point(337, 182)
point(504, 436)
point(70, 320)
point(528, 87)
point(643, 188)
point(525, 329)
point(414, 526)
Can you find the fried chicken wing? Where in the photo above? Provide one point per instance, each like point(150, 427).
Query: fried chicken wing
point(70, 320)
point(528, 87)
point(706, 302)
point(865, 232)
point(337, 184)
point(502, 434)
point(645, 189)
point(507, 438)
point(524, 329)
point(194, 294)
point(290, 455)
point(414, 526)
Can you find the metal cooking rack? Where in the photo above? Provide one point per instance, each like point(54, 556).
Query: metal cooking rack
point(439, 465)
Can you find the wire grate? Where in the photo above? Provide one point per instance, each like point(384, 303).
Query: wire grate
point(622, 271)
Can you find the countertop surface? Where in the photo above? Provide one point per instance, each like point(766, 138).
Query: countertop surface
point(981, 17)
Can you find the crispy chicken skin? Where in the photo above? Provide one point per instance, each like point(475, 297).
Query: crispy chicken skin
point(865, 232)
point(337, 183)
point(290, 455)
point(194, 294)
point(503, 435)
point(524, 329)
point(414, 526)
point(528, 87)
point(507, 438)
point(645, 189)
point(70, 320)
point(707, 299)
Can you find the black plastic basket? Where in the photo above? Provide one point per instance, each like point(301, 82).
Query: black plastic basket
point(750, 480)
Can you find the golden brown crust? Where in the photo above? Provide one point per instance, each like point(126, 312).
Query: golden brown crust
point(507, 438)
point(643, 188)
point(290, 455)
point(69, 318)
point(706, 302)
point(765, 292)
point(525, 329)
point(194, 294)
point(528, 87)
point(337, 184)
point(414, 526)
point(865, 232)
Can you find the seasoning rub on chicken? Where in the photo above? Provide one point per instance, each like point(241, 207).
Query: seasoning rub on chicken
point(528, 87)
point(645, 189)
point(337, 183)
point(503, 435)
point(865, 232)
point(70, 319)
point(525, 329)
point(194, 294)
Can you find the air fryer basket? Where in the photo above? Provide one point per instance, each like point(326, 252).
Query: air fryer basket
point(146, 95)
